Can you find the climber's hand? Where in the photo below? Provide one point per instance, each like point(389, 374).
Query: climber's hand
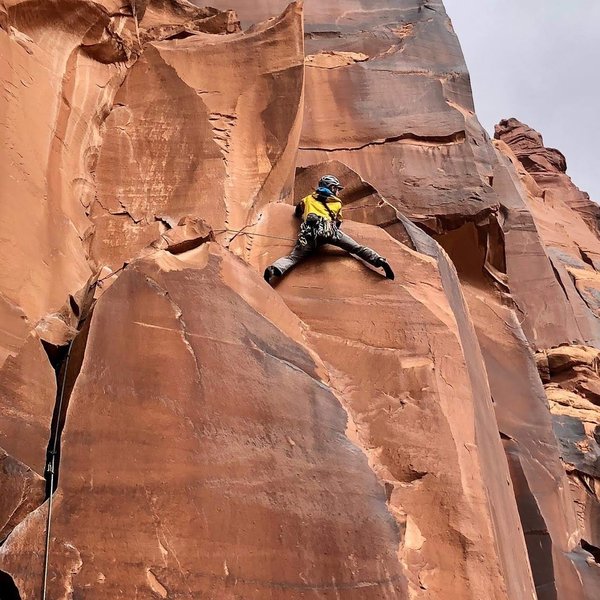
point(299, 210)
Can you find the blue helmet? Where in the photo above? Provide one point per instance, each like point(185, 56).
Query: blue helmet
point(330, 182)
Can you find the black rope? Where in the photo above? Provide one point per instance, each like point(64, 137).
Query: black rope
point(99, 281)
point(242, 232)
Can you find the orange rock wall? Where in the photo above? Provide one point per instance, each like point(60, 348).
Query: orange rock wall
point(336, 436)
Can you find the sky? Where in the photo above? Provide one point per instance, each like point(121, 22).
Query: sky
point(538, 61)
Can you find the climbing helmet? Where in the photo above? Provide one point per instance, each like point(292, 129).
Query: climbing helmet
point(330, 182)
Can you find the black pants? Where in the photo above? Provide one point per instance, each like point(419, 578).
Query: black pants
point(337, 238)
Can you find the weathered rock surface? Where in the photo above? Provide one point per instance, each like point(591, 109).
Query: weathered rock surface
point(28, 391)
point(22, 492)
point(547, 166)
point(199, 128)
point(341, 435)
point(572, 385)
point(402, 116)
point(400, 386)
point(569, 234)
point(567, 223)
point(248, 447)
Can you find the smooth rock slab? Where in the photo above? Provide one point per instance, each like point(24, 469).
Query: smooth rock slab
point(203, 456)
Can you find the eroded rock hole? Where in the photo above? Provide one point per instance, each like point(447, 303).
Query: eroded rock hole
point(181, 35)
point(593, 550)
point(466, 246)
point(56, 354)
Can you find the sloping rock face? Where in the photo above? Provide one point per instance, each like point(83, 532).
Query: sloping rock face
point(173, 427)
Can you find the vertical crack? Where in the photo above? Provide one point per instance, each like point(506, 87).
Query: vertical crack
point(559, 280)
point(66, 361)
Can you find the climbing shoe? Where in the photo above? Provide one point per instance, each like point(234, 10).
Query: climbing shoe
point(271, 272)
point(389, 274)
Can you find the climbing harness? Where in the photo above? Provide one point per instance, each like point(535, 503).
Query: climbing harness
point(315, 229)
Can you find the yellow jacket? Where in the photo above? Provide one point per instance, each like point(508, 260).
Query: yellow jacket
point(313, 205)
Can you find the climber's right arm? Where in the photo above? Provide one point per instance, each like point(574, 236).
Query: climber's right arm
point(299, 211)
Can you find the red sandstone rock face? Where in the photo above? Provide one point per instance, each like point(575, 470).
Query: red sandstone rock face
point(176, 144)
point(341, 435)
point(403, 116)
point(259, 498)
point(568, 227)
point(400, 389)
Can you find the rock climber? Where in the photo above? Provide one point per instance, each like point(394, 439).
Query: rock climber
point(321, 214)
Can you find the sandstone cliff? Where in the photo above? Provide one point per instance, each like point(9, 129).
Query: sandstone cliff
point(172, 426)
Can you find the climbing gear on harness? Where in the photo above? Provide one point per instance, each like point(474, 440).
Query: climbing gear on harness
point(315, 229)
point(383, 263)
point(321, 213)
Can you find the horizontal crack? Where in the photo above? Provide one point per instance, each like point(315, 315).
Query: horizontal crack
point(458, 137)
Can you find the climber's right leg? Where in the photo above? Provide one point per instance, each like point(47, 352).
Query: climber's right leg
point(285, 263)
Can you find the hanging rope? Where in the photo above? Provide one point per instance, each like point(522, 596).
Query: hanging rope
point(351, 208)
point(111, 274)
point(249, 233)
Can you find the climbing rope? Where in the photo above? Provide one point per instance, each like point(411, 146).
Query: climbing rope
point(242, 231)
point(251, 234)
point(351, 208)
point(111, 274)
